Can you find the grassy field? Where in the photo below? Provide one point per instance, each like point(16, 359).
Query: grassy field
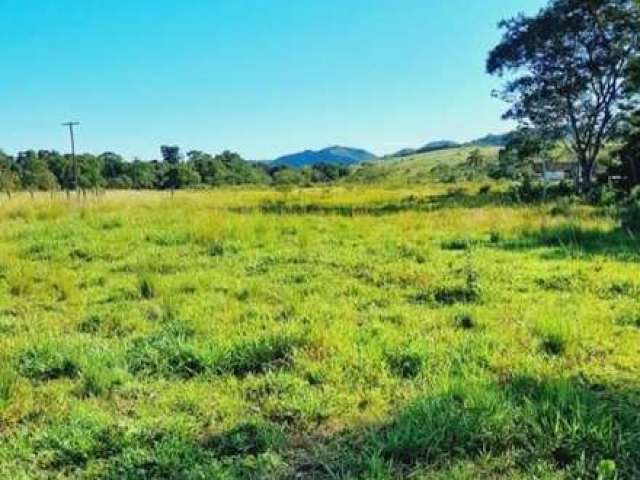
point(356, 333)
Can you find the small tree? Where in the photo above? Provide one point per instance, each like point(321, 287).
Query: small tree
point(475, 159)
point(90, 173)
point(34, 173)
point(187, 176)
point(569, 64)
point(524, 148)
point(171, 159)
point(143, 174)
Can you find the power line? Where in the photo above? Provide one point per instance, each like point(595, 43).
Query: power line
point(73, 152)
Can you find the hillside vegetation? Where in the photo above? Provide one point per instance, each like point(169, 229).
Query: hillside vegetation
point(419, 168)
point(354, 332)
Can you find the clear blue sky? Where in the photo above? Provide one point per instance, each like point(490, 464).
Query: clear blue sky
point(261, 77)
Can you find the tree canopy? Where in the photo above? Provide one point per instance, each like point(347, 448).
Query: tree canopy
point(568, 66)
point(33, 170)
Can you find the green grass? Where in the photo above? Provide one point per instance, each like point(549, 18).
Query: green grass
point(347, 332)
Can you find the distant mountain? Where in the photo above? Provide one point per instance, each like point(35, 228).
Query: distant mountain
point(438, 145)
point(491, 140)
point(429, 147)
point(332, 156)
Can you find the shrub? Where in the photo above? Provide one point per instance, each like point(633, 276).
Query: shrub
point(603, 195)
point(47, 361)
point(630, 213)
point(527, 191)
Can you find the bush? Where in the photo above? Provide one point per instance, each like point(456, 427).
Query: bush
point(630, 213)
point(529, 191)
point(603, 195)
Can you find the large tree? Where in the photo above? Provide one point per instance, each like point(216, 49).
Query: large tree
point(171, 158)
point(567, 67)
point(34, 172)
point(630, 153)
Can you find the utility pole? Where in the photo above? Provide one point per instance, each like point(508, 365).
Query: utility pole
point(73, 152)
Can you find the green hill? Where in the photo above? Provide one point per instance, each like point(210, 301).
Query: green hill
point(415, 168)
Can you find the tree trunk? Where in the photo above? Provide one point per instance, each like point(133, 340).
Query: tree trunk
point(585, 173)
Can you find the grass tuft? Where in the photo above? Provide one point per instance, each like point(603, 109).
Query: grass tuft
point(146, 288)
point(258, 355)
point(47, 361)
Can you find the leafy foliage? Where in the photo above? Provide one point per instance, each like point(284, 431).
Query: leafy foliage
point(569, 64)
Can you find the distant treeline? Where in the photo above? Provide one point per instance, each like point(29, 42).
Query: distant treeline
point(48, 170)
